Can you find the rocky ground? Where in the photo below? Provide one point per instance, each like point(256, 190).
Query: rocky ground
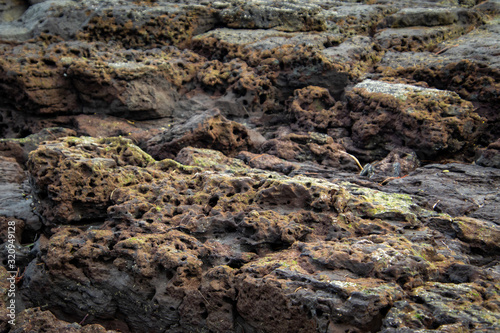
point(251, 166)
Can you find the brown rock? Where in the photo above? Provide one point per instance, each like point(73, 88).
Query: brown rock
point(207, 130)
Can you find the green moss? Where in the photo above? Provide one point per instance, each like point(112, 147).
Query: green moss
point(169, 164)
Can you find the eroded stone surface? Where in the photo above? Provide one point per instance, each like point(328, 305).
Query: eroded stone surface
point(308, 203)
point(192, 236)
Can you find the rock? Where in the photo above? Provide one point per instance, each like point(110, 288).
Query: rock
point(480, 234)
point(429, 17)
point(356, 18)
point(20, 148)
point(36, 319)
point(207, 130)
point(399, 163)
point(440, 306)
point(131, 84)
point(67, 20)
point(16, 202)
point(490, 157)
point(429, 121)
point(417, 39)
point(73, 178)
point(449, 65)
point(11, 10)
point(473, 191)
point(62, 18)
point(356, 54)
point(267, 162)
point(315, 109)
point(313, 146)
point(444, 301)
point(259, 216)
point(271, 15)
point(5, 299)
point(185, 236)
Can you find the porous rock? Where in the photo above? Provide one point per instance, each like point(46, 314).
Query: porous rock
point(179, 246)
point(429, 121)
point(74, 177)
point(207, 130)
point(287, 236)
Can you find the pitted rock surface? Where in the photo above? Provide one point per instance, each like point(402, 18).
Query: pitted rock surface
point(250, 166)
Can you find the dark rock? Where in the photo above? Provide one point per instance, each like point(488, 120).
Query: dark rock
point(16, 202)
point(490, 157)
point(457, 273)
point(455, 189)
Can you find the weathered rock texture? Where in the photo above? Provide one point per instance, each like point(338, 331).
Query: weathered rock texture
point(251, 166)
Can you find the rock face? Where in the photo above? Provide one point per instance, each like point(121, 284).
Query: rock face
point(431, 122)
point(250, 166)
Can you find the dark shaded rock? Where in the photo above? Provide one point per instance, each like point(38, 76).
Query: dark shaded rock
point(490, 157)
point(16, 201)
point(457, 273)
point(456, 189)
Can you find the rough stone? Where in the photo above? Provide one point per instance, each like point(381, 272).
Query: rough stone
point(207, 130)
point(263, 14)
point(311, 202)
point(490, 157)
point(429, 121)
point(16, 201)
point(74, 177)
point(474, 192)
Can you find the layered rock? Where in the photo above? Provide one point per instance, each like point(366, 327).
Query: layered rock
point(250, 166)
point(201, 245)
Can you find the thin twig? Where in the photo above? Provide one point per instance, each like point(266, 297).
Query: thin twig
point(445, 49)
point(83, 319)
